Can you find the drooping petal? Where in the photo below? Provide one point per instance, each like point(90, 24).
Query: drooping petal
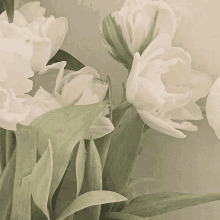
point(159, 124)
point(41, 53)
point(101, 127)
point(213, 107)
point(188, 126)
point(31, 10)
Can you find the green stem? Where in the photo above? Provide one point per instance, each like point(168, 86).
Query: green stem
point(10, 144)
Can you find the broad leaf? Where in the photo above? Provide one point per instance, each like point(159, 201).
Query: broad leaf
point(9, 6)
point(22, 211)
point(122, 216)
point(41, 180)
point(2, 7)
point(10, 144)
point(65, 127)
point(123, 151)
point(92, 181)
point(104, 142)
point(26, 151)
point(91, 198)
point(158, 203)
point(6, 188)
point(72, 62)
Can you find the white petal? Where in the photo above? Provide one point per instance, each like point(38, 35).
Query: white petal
point(101, 127)
point(132, 81)
point(41, 53)
point(31, 10)
point(188, 126)
point(213, 107)
point(160, 125)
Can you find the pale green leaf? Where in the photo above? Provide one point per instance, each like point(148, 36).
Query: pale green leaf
point(2, 150)
point(22, 209)
point(10, 144)
point(41, 180)
point(91, 198)
point(26, 152)
point(122, 216)
point(65, 127)
point(92, 181)
point(6, 188)
point(158, 203)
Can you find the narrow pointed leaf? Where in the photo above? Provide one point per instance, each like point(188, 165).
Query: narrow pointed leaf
point(122, 216)
point(41, 180)
point(9, 7)
point(92, 181)
point(104, 142)
point(6, 188)
point(80, 165)
point(158, 203)
point(91, 198)
point(22, 210)
point(72, 62)
point(65, 127)
point(10, 144)
point(26, 151)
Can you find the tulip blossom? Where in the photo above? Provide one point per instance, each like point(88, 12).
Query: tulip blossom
point(213, 107)
point(163, 87)
point(131, 29)
point(15, 66)
point(83, 87)
point(44, 34)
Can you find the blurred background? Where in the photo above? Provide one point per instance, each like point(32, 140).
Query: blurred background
point(191, 164)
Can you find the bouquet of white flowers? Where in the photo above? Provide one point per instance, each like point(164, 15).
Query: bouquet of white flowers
point(64, 152)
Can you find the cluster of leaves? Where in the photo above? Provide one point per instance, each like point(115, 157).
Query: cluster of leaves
point(52, 173)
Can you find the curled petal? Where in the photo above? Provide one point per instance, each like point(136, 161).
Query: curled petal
point(41, 53)
point(213, 107)
point(188, 126)
point(159, 124)
point(101, 127)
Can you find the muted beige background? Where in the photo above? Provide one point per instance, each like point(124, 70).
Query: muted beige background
point(191, 164)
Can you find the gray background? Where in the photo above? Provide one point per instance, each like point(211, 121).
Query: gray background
point(191, 164)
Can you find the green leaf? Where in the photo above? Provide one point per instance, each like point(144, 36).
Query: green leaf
point(22, 211)
point(158, 203)
point(6, 188)
point(122, 216)
point(65, 127)
point(91, 198)
point(104, 142)
point(26, 151)
point(92, 181)
point(123, 151)
point(68, 187)
point(10, 144)
point(9, 6)
point(41, 180)
point(72, 62)
point(119, 112)
point(2, 150)
point(2, 7)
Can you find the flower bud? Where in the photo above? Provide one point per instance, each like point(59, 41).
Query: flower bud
point(135, 26)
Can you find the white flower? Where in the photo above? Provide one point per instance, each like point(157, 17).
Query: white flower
point(131, 29)
point(83, 87)
point(213, 107)
point(163, 87)
point(12, 111)
point(44, 34)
